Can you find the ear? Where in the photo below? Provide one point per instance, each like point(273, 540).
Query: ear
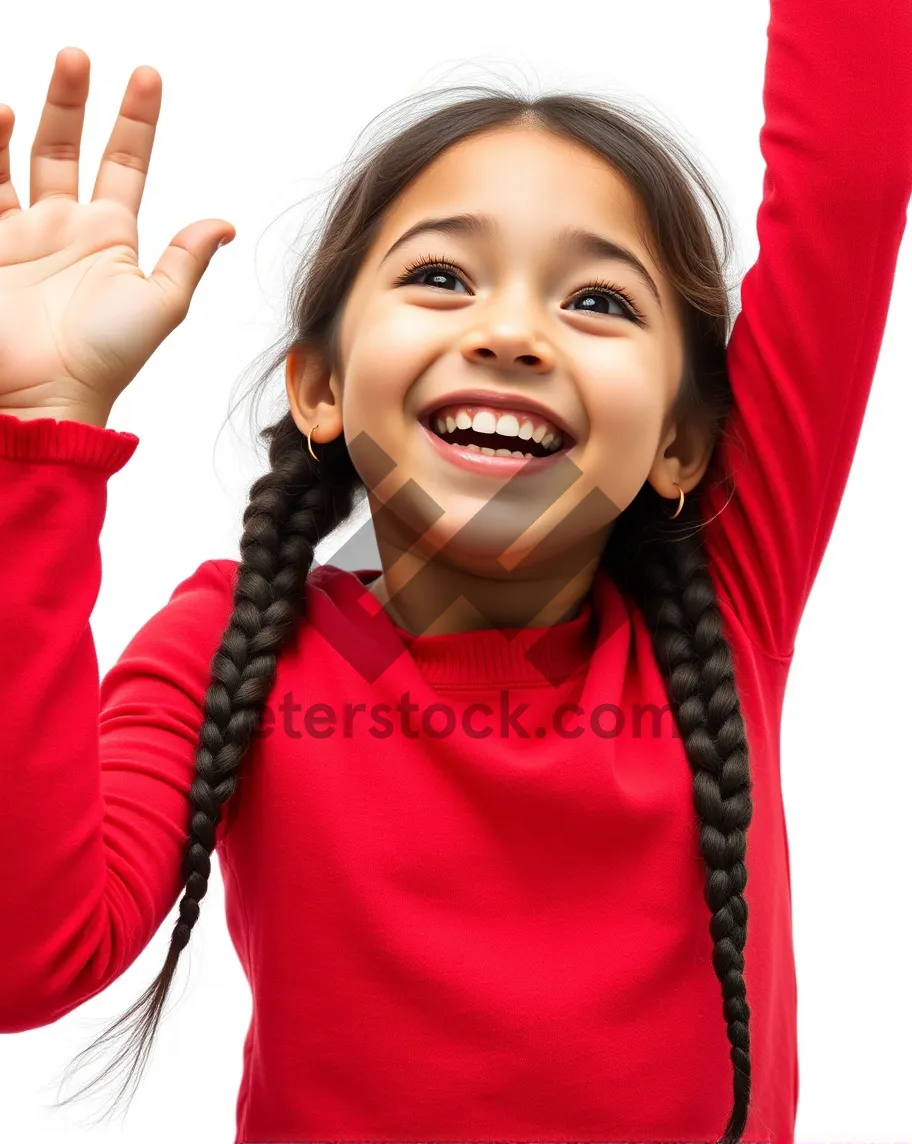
point(683, 457)
point(314, 394)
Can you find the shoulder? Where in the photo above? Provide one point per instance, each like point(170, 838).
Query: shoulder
point(197, 610)
point(319, 574)
point(213, 586)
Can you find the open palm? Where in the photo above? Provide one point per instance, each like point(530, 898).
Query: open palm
point(78, 317)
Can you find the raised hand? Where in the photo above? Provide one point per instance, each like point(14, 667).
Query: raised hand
point(78, 317)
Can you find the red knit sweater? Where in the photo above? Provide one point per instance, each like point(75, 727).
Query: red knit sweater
point(490, 933)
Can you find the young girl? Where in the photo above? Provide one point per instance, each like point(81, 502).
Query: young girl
point(483, 813)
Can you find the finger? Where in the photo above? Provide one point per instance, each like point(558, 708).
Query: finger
point(180, 269)
point(125, 163)
point(55, 152)
point(8, 198)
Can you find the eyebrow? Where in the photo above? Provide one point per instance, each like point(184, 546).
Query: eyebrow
point(573, 239)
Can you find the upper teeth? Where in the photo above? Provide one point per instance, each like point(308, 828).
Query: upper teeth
point(506, 424)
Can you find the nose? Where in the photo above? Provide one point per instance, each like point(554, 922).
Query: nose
point(509, 341)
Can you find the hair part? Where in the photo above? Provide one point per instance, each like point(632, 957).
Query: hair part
point(661, 564)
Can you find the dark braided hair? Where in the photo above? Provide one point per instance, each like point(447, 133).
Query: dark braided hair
point(290, 510)
point(658, 562)
point(664, 569)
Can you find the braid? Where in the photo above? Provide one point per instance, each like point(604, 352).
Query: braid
point(666, 572)
point(290, 510)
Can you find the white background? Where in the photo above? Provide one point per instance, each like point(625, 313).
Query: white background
point(261, 102)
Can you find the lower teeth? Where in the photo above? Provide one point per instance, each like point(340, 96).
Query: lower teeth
point(492, 452)
point(495, 452)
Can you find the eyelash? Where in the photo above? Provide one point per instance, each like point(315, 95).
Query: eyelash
point(599, 286)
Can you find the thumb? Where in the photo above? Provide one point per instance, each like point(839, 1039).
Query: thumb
point(180, 269)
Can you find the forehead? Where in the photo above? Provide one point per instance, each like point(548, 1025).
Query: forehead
point(533, 182)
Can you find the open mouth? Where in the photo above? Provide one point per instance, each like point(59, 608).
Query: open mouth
point(520, 444)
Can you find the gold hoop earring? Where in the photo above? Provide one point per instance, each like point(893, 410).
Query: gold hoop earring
point(680, 501)
point(310, 447)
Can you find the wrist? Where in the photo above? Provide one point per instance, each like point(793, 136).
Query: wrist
point(84, 414)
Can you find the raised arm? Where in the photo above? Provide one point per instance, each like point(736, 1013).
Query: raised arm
point(838, 147)
point(94, 812)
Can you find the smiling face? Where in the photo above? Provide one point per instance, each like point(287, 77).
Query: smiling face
point(514, 312)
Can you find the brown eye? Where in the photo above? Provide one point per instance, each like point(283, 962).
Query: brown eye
point(437, 269)
point(612, 293)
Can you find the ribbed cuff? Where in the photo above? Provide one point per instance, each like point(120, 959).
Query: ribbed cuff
point(65, 442)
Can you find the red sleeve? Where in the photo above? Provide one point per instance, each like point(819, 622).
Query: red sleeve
point(93, 780)
point(837, 142)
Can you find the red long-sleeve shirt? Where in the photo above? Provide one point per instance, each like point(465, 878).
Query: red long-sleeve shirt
point(480, 935)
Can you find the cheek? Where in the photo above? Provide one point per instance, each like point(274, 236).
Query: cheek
point(627, 401)
point(388, 350)
point(626, 410)
point(391, 346)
